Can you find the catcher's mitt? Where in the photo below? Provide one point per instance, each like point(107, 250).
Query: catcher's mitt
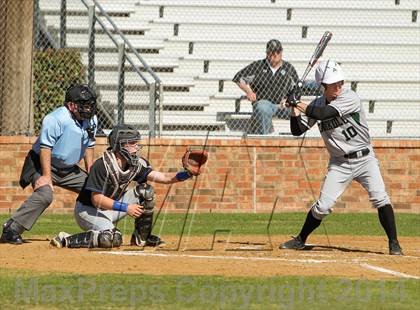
point(193, 160)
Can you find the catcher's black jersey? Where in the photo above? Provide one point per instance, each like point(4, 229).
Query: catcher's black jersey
point(99, 181)
point(264, 83)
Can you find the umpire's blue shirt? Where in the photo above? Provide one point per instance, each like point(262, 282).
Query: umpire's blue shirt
point(65, 136)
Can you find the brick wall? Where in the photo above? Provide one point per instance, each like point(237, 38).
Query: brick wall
point(241, 175)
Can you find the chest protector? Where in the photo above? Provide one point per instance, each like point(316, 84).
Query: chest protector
point(120, 179)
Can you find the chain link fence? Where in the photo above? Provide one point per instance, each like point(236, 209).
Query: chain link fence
point(172, 68)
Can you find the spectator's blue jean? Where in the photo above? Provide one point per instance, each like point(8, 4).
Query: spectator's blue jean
point(261, 120)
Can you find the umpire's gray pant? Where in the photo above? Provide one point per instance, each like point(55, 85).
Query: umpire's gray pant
point(29, 212)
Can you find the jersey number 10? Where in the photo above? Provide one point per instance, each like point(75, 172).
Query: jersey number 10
point(349, 133)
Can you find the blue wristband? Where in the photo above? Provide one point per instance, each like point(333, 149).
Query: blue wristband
point(183, 175)
point(119, 206)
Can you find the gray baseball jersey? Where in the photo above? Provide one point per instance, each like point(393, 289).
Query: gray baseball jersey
point(346, 133)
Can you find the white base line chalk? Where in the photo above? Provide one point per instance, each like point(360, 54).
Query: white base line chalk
point(141, 253)
point(389, 271)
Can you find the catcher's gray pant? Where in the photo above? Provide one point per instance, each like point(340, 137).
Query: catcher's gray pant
point(91, 218)
point(341, 172)
point(29, 212)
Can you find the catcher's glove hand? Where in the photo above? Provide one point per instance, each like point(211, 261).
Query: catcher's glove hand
point(294, 94)
point(193, 160)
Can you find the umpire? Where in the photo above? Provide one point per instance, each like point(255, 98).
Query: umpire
point(266, 83)
point(67, 135)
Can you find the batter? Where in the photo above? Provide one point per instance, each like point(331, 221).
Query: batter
point(342, 123)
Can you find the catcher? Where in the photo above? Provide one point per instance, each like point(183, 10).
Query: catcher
point(104, 199)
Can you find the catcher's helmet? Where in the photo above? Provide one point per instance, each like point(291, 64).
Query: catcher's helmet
point(273, 46)
point(120, 135)
point(84, 98)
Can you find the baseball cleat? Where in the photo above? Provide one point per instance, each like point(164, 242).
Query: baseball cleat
point(394, 248)
point(152, 240)
point(59, 240)
point(295, 243)
point(10, 236)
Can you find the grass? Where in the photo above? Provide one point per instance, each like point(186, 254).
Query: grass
point(23, 290)
point(28, 290)
point(242, 224)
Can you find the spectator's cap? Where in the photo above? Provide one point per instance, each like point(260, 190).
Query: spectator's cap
point(80, 93)
point(328, 72)
point(274, 46)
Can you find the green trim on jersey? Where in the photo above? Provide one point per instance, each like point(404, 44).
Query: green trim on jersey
point(356, 117)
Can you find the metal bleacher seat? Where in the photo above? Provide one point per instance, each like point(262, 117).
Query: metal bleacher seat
point(234, 30)
point(198, 45)
point(222, 48)
point(325, 4)
point(52, 7)
point(271, 12)
point(110, 60)
point(79, 22)
point(102, 41)
point(379, 71)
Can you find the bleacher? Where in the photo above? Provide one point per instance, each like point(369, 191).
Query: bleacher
point(195, 47)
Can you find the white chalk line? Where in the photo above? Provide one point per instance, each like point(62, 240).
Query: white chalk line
point(314, 255)
point(141, 253)
point(310, 261)
point(399, 257)
point(389, 271)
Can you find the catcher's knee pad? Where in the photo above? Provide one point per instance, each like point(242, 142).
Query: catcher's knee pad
point(109, 238)
point(146, 195)
point(95, 239)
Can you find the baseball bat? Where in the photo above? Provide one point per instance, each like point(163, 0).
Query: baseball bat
point(322, 44)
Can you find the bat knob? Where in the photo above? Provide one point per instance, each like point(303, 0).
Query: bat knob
point(299, 84)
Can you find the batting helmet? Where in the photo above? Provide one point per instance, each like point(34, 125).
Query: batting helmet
point(84, 98)
point(328, 72)
point(120, 135)
point(273, 46)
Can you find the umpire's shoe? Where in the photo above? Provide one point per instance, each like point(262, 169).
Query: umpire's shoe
point(9, 235)
point(295, 244)
point(394, 248)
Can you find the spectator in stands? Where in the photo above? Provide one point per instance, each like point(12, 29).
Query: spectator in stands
point(266, 83)
point(67, 135)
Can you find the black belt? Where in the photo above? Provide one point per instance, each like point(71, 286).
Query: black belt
point(357, 154)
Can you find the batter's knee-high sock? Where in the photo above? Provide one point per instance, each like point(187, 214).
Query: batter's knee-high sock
point(311, 223)
point(387, 219)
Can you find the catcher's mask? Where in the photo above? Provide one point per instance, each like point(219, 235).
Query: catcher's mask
point(84, 98)
point(124, 140)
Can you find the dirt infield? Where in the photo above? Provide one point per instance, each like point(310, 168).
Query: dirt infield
point(245, 256)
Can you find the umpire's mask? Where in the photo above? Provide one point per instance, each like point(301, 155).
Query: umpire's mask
point(84, 98)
